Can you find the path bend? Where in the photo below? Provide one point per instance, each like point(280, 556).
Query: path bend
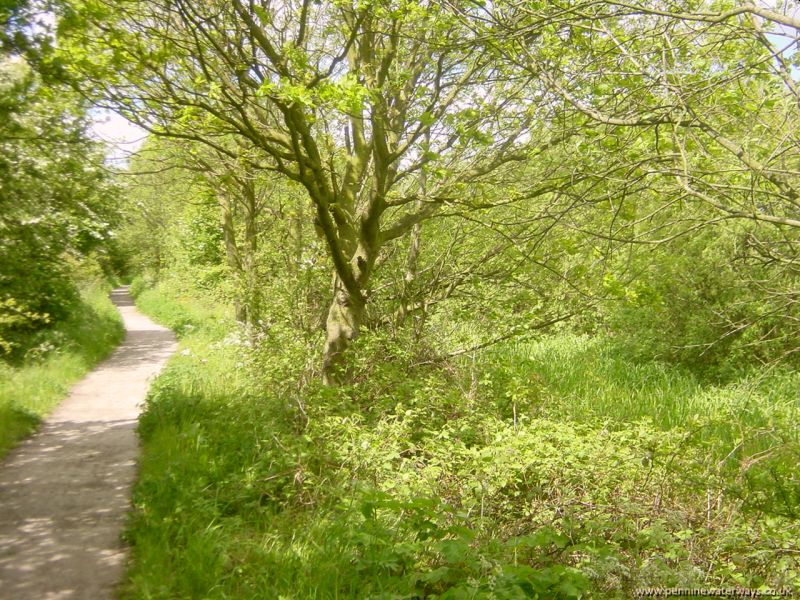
point(65, 491)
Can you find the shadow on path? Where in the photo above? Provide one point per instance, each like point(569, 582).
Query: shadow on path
point(64, 492)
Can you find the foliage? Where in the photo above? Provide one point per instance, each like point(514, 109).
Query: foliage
point(523, 477)
point(546, 252)
point(700, 302)
point(539, 150)
point(55, 207)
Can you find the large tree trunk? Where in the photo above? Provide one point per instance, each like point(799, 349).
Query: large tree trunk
point(342, 326)
point(249, 261)
point(232, 256)
point(411, 285)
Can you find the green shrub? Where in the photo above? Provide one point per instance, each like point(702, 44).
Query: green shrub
point(554, 467)
point(699, 303)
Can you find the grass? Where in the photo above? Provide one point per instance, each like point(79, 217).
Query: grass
point(29, 391)
point(558, 468)
point(587, 379)
point(175, 307)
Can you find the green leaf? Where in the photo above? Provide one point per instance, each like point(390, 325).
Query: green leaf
point(262, 14)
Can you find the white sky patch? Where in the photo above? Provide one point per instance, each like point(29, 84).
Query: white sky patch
point(783, 38)
point(785, 43)
point(44, 22)
point(122, 137)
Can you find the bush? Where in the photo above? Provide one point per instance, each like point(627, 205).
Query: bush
point(699, 304)
point(547, 468)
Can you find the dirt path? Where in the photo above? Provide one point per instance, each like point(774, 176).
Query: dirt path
point(65, 491)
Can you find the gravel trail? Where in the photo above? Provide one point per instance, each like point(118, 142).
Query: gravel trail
point(65, 491)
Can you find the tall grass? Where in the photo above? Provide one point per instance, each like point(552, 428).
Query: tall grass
point(29, 391)
point(173, 306)
point(588, 379)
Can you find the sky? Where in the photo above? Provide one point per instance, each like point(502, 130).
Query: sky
point(123, 137)
point(784, 39)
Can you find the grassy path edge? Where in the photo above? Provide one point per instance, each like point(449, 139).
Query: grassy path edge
point(30, 391)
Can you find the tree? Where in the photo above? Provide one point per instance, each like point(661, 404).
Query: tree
point(702, 105)
point(55, 201)
point(389, 114)
point(351, 100)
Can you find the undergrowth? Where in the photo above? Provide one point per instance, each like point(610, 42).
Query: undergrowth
point(548, 469)
point(32, 387)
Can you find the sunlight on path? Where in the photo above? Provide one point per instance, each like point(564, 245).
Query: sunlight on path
point(65, 491)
